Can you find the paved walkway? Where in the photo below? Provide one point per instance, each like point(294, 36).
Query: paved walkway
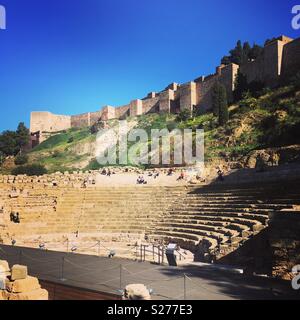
point(168, 283)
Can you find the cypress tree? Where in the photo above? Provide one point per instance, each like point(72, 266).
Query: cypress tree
point(220, 103)
point(223, 106)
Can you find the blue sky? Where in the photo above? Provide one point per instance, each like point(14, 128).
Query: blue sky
point(74, 56)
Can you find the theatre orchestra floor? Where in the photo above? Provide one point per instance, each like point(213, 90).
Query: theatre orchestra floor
point(104, 278)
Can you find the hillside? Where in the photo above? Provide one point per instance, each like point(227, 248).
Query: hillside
point(267, 124)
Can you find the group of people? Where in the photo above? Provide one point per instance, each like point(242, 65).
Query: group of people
point(154, 174)
point(107, 172)
point(141, 180)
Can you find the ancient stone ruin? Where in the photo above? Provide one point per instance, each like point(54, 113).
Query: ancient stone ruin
point(16, 284)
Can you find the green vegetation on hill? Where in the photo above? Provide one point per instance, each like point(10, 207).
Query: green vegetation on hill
point(64, 138)
point(12, 142)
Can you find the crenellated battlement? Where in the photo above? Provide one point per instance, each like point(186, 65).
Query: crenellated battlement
point(280, 59)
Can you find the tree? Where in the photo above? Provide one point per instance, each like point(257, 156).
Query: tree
point(242, 53)
point(237, 53)
point(215, 99)
point(8, 143)
point(21, 159)
point(223, 106)
point(241, 86)
point(11, 142)
point(22, 135)
point(220, 103)
point(246, 52)
point(255, 52)
point(226, 60)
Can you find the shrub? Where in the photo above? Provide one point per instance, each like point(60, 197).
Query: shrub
point(21, 159)
point(184, 115)
point(30, 170)
point(248, 102)
point(295, 81)
point(55, 154)
point(70, 140)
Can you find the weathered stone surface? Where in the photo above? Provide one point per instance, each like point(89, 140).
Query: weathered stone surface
point(3, 275)
point(136, 292)
point(4, 266)
point(19, 272)
point(3, 295)
point(23, 285)
point(39, 294)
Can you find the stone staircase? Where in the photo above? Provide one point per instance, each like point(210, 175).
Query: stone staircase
point(224, 215)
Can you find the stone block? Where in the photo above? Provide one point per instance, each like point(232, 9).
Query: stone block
point(23, 285)
point(39, 294)
point(3, 295)
point(4, 266)
point(18, 272)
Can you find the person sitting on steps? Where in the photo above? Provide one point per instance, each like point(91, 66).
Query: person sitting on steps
point(220, 175)
point(170, 172)
point(181, 177)
point(141, 180)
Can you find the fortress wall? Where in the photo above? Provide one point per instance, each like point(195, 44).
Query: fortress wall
point(136, 108)
point(122, 112)
point(81, 120)
point(49, 122)
point(272, 61)
point(95, 116)
point(227, 78)
point(290, 59)
point(253, 70)
point(267, 68)
point(204, 90)
point(188, 95)
point(108, 113)
point(151, 105)
point(165, 99)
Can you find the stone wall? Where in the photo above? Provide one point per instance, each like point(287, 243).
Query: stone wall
point(290, 59)
point(188, 96)
point(204, 87)
point(279, 56)
point(227, 78)
point(136, 108)
point(81, 120)
point(165, 99)
point(85, 119)
point(48, 122)
point(122, 112)
point(151, 105)
point(108, 113)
